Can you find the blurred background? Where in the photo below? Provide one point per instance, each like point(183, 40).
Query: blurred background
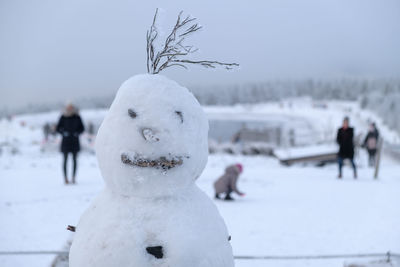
point(304, 66)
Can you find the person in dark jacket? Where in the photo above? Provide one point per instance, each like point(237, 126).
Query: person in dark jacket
point(70, 126)
point(344, 138)
point(371, 143)
point(227, 182)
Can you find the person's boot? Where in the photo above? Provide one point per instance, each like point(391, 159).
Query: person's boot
point(65, 180)
point(339, 176)
point(217, 196)
point(73, 180)
point(228, 197)
point(355, 175)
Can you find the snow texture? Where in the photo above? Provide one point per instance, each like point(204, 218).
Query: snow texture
point(151, 147)
point(301, 210)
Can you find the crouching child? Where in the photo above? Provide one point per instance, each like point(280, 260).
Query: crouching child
point(227, 183)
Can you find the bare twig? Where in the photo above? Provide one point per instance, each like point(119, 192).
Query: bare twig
point(71, 228)
point(151, 37)
point(173, 51)
point(207, 63)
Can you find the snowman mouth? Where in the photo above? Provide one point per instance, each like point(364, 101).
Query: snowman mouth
point(164, 163)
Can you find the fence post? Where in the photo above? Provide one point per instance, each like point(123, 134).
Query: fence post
point(378, 158)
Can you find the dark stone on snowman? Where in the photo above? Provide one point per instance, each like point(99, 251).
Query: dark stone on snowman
point(156, 251)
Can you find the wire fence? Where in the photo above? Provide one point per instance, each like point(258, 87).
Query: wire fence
point(388, 255)
point(41, 252)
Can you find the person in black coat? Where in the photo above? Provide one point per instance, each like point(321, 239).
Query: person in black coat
point(344, 138)
point(371, 143)
point(70, 126)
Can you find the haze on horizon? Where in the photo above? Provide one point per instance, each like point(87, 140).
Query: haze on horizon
point(58, 50)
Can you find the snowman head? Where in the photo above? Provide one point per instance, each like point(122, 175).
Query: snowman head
point(153, 141)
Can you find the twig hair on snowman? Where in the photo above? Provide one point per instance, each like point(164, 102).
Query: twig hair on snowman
point(174, 50)
point(151, 148)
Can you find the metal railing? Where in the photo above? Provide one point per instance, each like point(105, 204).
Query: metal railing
point(388, 255)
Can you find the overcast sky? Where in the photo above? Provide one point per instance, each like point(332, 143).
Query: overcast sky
point(53, 50)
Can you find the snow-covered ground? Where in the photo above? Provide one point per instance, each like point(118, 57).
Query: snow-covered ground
point(286, 211)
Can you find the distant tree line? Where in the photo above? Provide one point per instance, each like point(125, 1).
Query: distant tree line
point(379, 95)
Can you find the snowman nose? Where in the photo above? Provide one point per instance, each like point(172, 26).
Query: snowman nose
point(149, 135)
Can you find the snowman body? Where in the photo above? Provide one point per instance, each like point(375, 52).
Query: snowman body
point(151, 147)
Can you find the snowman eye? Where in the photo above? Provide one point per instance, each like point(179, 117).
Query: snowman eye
point(132, 113)
point(180, 115)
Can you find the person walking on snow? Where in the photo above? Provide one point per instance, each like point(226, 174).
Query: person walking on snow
point(344, 139)
point(227, 182)
point(70, 126)
point(371, 143)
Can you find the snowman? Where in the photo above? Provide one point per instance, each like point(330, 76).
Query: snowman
point(151, 148)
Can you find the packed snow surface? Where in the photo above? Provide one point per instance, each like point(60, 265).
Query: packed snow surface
point(286, 211)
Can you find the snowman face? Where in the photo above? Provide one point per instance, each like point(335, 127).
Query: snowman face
point(153, 141)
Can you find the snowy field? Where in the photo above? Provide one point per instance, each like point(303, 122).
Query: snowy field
point(298, 210)
point(286, 211)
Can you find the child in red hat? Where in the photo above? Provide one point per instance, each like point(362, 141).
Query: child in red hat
point(227, 182)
